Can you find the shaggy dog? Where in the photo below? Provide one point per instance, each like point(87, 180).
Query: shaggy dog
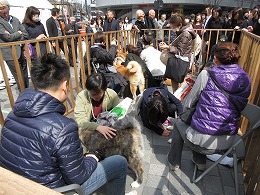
point(128, 142)
point(133, 72)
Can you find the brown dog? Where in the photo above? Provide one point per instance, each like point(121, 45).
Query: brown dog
point(133, 72)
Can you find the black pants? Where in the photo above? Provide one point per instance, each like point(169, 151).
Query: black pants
point(69, 52)
point(24, 71)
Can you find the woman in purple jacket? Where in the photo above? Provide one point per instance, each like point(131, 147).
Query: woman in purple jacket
point(216, 119)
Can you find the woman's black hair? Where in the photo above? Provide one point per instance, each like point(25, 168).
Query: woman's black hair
point(30, 11)
point(96, 82)
point(157, 110)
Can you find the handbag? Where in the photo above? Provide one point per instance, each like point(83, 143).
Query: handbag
point(32, 51)
point(186, 116)
point(165, 55)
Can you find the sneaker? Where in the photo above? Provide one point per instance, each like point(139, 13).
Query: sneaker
point(170, 128)
point(173, 167)
point(170, 141)
point(12, 81)
point(134, 192)
point(2, 85)
point(201, 167)
point(166, 123)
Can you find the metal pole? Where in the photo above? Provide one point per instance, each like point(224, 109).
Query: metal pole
point(86, 4)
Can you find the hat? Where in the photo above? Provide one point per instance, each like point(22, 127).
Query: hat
point(3, 4)
point(223, 38)
point(149, 34)
point(72, 19)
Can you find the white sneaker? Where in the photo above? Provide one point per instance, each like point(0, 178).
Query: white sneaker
point(2, 85)
point(12, 80)
point(134, 192)
point(170, 128)
point(170, 141)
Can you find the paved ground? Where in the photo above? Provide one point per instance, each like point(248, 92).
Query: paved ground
point(158, 179)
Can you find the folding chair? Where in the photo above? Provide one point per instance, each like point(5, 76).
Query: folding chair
point(70, 189)
point(252, 113)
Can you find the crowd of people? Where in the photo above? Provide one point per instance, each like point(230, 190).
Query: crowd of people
point(38, 142)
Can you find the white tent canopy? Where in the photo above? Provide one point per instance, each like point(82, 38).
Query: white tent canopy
point(18, 8)
point(40, 4)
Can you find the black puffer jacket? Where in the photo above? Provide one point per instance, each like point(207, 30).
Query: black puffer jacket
point(41, 144)
point(102, 56)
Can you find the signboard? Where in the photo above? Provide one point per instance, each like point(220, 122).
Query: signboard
point(158, 4)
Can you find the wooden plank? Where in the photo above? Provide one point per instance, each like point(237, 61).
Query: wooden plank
point(11, 183)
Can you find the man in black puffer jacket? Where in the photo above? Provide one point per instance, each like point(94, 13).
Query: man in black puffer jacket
point(39, 143)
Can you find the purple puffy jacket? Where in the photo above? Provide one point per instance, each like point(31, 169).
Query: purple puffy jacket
point(215, 114)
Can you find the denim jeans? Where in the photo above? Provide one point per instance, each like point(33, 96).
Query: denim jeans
point(111, 171)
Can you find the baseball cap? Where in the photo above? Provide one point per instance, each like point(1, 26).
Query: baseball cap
point(223, 38)
point(149, 34)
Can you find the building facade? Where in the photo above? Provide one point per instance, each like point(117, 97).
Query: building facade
point(129, 7)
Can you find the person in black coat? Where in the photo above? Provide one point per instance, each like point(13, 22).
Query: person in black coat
point(143, 22)
point(215, 22)
point(54, 29)
point(157, 104)
point(110, 24)
point(34, 27)
point(105, 60)
point(72, 29)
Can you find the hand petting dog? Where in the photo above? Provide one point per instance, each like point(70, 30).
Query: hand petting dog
point(107, 132)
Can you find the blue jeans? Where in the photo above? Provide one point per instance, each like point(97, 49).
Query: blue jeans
point(111, 171)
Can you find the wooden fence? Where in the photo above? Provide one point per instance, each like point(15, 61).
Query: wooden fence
point(250, 62)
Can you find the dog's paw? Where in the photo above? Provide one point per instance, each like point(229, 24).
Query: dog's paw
point(135, 184)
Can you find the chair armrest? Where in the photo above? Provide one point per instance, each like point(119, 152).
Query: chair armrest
point(71, 187)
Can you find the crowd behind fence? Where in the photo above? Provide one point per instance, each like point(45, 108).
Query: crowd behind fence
point(249, 61)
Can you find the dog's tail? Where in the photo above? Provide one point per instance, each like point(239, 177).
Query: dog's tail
point(133, 66)
point(128, 122)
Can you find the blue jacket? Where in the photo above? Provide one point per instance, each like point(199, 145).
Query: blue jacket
point(215, 114)
point(38, 142)
point(173, 103)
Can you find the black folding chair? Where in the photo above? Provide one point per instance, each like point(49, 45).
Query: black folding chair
point(252, 113)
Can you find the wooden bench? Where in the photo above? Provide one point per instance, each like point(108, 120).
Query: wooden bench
point(12, 183)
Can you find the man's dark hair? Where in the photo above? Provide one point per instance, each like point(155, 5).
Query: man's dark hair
point(157, 110)
point(99, 37)
point(209, 6)
point(54, 11)
point(49, 72)
point(96, 82)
